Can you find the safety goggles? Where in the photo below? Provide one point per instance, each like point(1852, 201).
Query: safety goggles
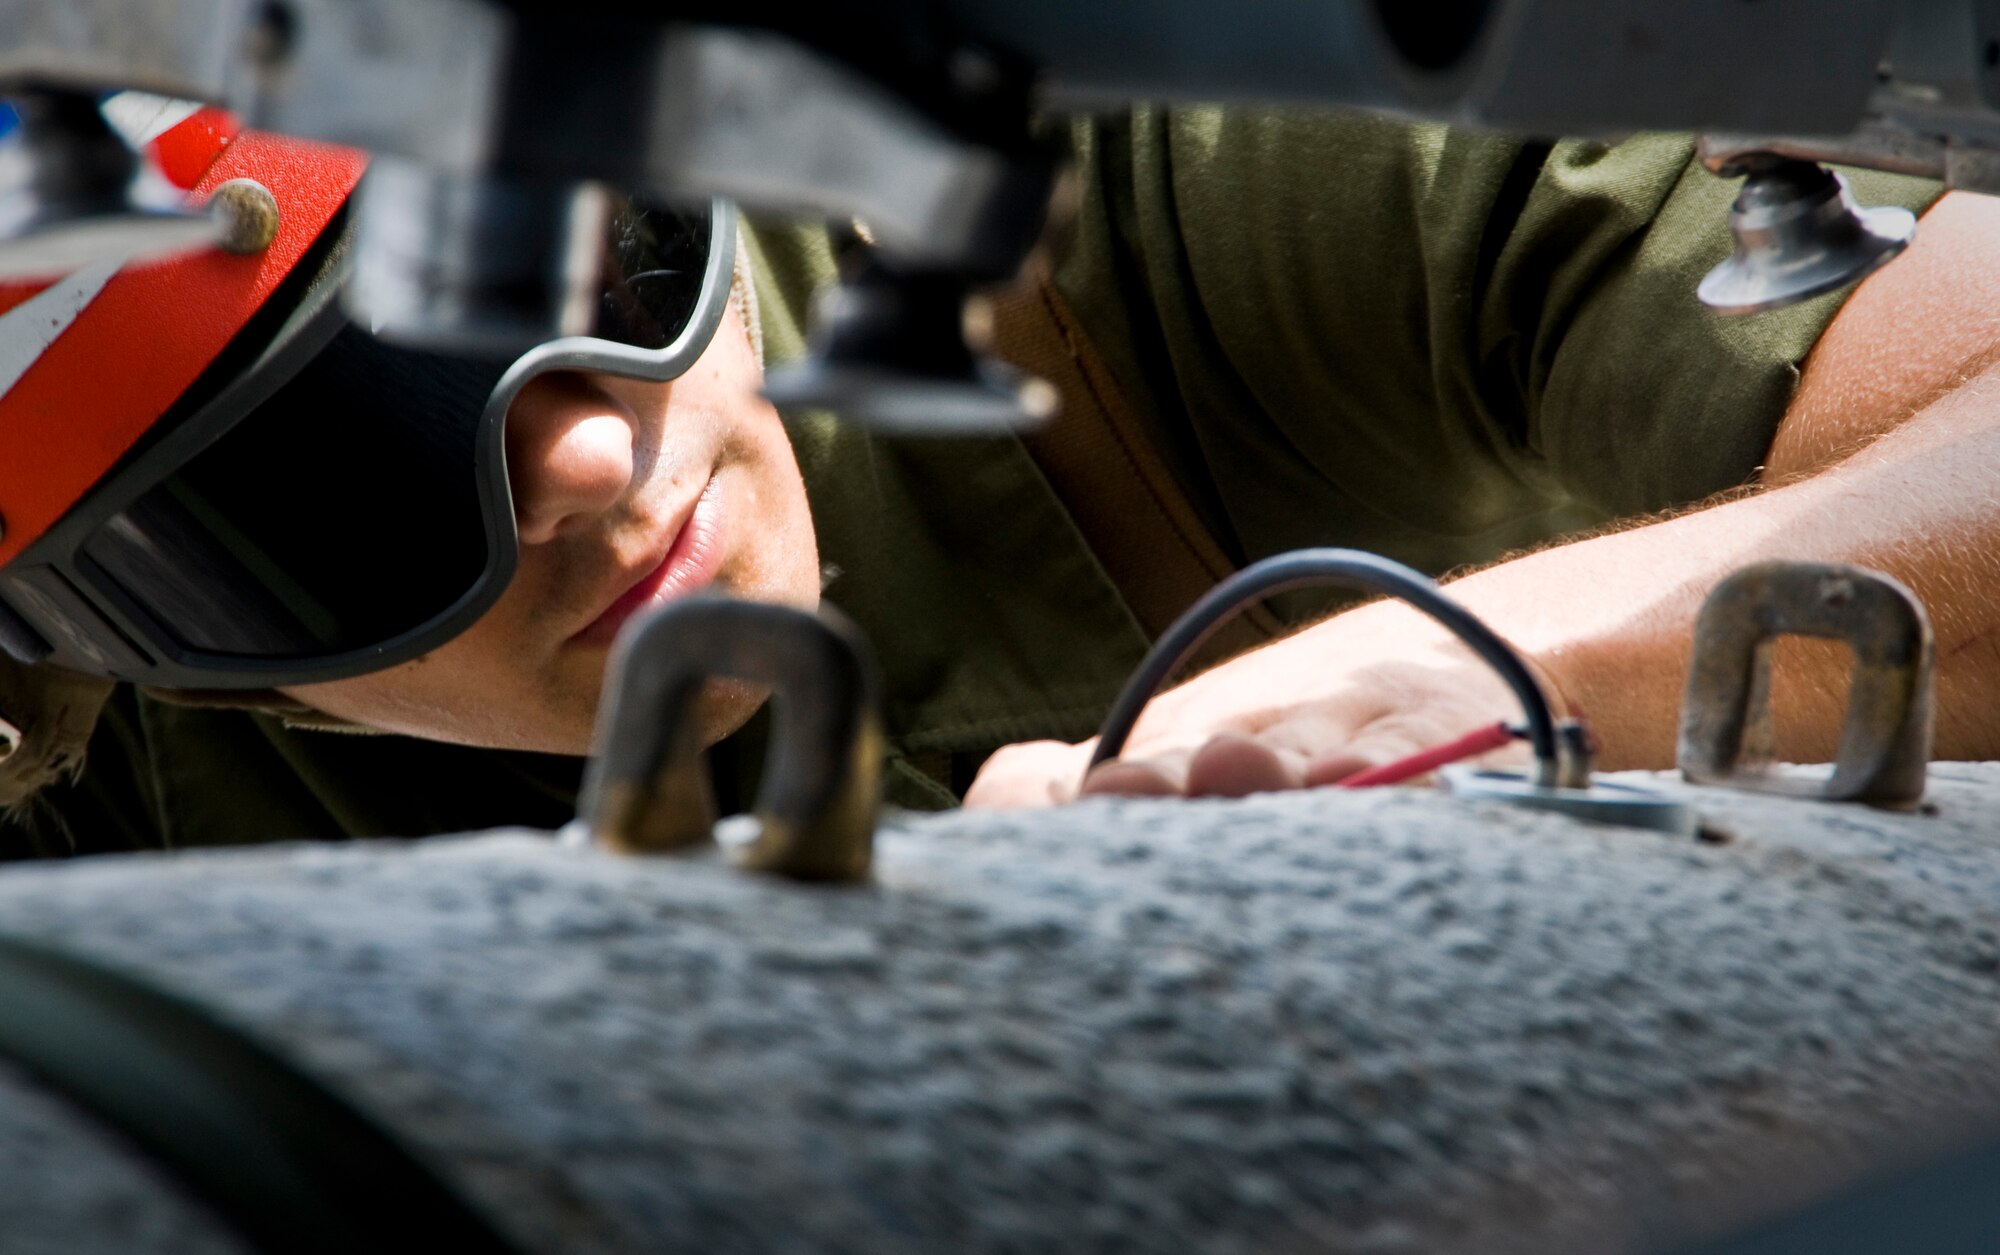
point(320, 503)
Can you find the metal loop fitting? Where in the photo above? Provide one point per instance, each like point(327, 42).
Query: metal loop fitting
point(648, 789)
point(1726, 735)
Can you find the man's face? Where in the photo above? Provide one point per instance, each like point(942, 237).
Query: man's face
point(626, 495)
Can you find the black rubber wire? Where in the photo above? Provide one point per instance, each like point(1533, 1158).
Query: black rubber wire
point(1309, 568)
point(290, 1165)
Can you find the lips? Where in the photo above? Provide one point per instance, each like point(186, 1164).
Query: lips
point(690, 563)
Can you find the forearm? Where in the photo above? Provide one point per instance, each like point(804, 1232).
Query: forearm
point(1610, 618)
point(1888, 457)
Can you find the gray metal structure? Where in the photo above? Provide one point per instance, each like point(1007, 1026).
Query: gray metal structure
point(916, 117)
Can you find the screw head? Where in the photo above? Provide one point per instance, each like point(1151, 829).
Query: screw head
point(246, 216)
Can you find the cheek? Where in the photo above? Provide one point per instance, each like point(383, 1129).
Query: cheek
point(508, 682)
point(782, 564)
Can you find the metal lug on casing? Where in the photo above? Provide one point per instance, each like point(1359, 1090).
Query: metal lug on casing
point(890, 351)
point(474, 263)
point(73, 193)
point(648, 788)
point(1798, 234)
point(1726, 733)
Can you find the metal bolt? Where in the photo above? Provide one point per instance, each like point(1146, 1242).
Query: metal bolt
point(246, 216)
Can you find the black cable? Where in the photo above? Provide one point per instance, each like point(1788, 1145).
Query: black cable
point(1306, 568)
point(291, 1165)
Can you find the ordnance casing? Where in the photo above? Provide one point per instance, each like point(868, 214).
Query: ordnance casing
point(1379, 1021)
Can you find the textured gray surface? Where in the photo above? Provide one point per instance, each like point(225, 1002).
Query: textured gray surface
point(1375, 1022)
point(68, 1183)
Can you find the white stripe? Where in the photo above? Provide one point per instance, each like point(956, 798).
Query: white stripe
point(28, 329)
point(142, 117)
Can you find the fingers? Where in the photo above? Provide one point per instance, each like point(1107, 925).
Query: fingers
point(1311, 748)
point(1332, 768)
point(1230, 765)
point(1392, 740)
point(1031, 774)
point(1119, 778)
point(1162, 774)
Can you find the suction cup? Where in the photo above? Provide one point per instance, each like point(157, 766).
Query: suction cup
point(74, 194)
point(1799, 234)
point(890, 352)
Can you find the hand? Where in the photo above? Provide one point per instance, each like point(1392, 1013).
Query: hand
point(1357, 691)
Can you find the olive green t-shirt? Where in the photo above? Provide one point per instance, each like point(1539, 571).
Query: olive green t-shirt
point(1437, 345)
point(1335, 329)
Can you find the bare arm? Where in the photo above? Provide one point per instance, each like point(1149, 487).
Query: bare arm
point(1889, 457)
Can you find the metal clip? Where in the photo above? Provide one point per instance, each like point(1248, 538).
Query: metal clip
point(648, 789)
point(1885, 743)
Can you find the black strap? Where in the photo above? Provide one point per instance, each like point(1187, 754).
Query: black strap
point(276, 1155)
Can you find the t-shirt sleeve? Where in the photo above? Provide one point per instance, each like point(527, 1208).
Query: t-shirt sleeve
point(1438, 344)
point(1636, 395)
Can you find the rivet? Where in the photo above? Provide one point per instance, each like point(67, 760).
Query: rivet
point(246, 216)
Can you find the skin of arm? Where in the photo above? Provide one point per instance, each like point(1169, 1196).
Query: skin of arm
point(1888, 457)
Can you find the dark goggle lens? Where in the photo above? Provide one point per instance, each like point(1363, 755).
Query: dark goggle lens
point(340, 514)
point(654, 263)
point(343, 512)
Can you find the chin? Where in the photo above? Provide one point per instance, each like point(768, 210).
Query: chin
point(722, 709)
point(726, 705)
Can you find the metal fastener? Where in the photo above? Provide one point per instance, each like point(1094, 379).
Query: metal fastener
point(246, 216)
point(648, 789)
point(1726, 734)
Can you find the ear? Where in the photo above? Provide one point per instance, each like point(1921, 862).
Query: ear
point(51, 714)
point(743, 299)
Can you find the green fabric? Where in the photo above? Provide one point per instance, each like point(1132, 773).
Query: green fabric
point(1432, 344)
point(1340, 330)
point(163, 776)
point(957, 558)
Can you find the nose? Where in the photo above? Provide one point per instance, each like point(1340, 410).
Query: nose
point(569, 455)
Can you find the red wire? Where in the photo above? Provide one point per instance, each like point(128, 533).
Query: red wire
point(1479, 742)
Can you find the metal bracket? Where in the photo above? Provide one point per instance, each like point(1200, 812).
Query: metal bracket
point(1726, 734)
point(648, 789)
